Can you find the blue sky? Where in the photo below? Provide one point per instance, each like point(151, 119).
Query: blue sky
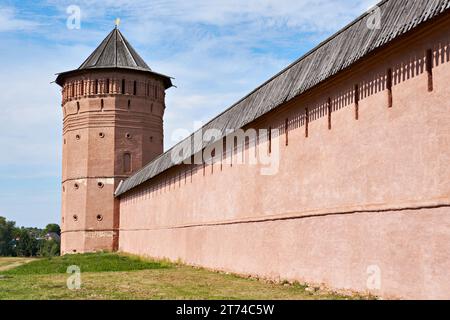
point(217, 51)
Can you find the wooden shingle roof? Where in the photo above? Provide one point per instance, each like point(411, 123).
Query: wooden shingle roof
point(337, 53)
point(114, 52)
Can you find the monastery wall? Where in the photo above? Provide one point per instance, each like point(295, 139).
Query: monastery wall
point(359, 196)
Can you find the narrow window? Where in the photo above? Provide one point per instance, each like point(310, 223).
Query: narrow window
point(96, 87)
point(73, 90)
point(82, 87)
point(78, 106)
point(123, 86)
point(429, 67)
point(286, 131)
point(129, 104)
point(135, 88)
point(270, 139)
point(306, 122)
point(102, 104)
point(107, 86)
point(356, 102)
point(127, 162)
point(156, 92)
point(151, 108)
point(389, 87)
point(329, 107)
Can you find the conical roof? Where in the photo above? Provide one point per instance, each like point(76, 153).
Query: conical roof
point(114, 52)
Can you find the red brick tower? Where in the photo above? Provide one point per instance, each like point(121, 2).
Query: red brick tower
point(113, 107)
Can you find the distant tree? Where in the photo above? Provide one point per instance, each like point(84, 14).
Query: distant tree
point(26, 244)
point(52, 227)
point(49, 248)
point(7, 231)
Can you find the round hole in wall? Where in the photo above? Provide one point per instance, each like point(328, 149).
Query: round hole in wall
point(99, 217)
point(100, 185)
point(128, 135)
point(101, 135)
point(78, 137)
point(76, 186)
point(75, 217)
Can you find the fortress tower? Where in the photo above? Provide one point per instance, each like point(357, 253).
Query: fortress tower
point(113, 107)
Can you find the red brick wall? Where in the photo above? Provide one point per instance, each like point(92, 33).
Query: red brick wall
point(100, 126)
point(372, 191)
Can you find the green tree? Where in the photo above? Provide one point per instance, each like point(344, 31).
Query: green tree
point(49, 248)
point(52, 227)
point(26, 245)
point(7, 231)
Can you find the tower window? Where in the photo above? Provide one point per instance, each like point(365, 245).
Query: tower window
point(78, 106)
point(96, 87)
point(78, 137)
point(129, 104)
point(82, 87)
point(99, 217)
point(151, 139)
point(102, 104)
point(100, 185)
point(134, 88)
point(101, 135)
point(123, 86)
point(107, 86)
point(127, 162)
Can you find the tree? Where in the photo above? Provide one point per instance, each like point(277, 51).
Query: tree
point(52, 228)
point(27, 245)
point(7, 230)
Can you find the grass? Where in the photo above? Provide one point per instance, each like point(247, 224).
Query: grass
point(115, 276)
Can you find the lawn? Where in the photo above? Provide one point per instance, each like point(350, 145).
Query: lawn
point(115, 276)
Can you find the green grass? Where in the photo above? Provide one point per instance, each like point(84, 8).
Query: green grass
point(116, 276)
point(102, 262)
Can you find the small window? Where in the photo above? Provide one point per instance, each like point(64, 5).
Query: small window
point(99, 217)
point(129, 104)
point(101, 135)
point(76, 186)
point(134, 88)
point(123, 86)
point(100, 185)
point(102, 104)
point(127, 163)
point(75, 217)
point(82, 87)
point(107, 86)
point(151, 139)
point(96, 87)
point(128, 135)
point(78, 137)
point(78, 106)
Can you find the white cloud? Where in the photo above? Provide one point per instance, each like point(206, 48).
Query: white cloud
point(9, 21)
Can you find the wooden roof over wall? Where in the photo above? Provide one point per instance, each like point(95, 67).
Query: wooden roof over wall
point(329, 58)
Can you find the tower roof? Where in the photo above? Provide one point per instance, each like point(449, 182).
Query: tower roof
point(115, 52)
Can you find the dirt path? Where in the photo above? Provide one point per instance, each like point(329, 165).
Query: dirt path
point(11, 263)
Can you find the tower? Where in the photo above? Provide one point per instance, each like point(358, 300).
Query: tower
point(113, 107)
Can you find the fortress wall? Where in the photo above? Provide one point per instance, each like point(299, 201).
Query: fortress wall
point(368, 192)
